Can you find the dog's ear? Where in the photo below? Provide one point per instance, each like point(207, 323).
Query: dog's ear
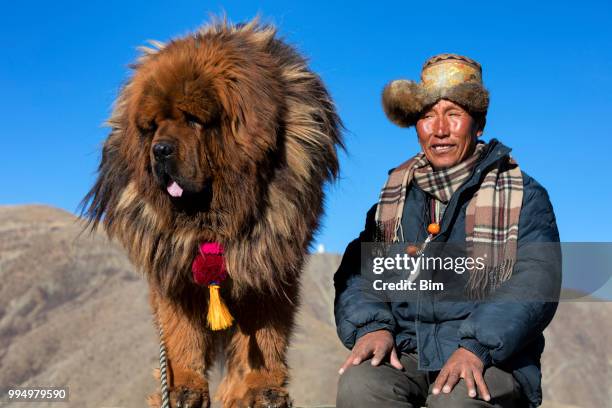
point(115, 171)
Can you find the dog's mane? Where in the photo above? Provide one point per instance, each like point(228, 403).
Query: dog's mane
point(265, 255)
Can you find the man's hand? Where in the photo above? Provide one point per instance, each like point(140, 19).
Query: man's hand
point(377, 344)
point(462, 364)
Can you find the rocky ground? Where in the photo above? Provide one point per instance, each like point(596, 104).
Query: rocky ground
point(73, 312)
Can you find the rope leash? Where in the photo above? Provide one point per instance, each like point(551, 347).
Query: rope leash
point(163, 374)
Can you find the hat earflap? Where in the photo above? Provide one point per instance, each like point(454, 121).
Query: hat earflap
point(403, 102)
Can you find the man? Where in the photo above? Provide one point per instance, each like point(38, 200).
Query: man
point(457, 190)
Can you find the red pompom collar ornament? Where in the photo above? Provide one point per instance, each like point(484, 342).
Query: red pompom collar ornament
point(208, 268)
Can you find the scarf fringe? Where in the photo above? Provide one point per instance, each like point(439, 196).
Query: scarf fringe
point(482, 283)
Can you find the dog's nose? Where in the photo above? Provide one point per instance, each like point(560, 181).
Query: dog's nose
point(163, 150)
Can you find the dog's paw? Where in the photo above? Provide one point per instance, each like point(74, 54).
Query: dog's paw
point(269, 397)
point(182, 397)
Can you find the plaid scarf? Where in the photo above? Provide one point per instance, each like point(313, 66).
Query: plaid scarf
point(443, 183)
point(492, 215)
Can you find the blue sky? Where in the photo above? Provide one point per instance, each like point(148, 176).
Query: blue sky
point(546, 64)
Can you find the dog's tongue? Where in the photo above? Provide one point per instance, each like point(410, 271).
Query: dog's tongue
point(174, 189)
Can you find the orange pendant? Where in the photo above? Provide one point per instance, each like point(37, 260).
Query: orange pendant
point(412, 250)
point(433, 228)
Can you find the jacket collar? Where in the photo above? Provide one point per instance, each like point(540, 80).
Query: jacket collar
point(495, 151)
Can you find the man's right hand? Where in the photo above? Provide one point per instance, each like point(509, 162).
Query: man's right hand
point(378, 345)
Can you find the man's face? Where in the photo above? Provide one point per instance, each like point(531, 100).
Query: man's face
point(447, 134)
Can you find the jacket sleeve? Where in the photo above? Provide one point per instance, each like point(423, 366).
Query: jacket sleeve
point(524, 305)
point(356, 310)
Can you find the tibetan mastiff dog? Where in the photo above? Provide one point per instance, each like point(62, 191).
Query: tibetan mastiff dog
point(212, 178)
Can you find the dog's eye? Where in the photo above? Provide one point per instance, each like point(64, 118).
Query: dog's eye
point(192, 121)
point(147, 128)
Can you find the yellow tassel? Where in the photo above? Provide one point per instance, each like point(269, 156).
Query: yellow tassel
point(219, 317)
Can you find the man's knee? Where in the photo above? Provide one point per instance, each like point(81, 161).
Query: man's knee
point(505, 392)
point(447, 401)
point(363, 385)
point(457, 398)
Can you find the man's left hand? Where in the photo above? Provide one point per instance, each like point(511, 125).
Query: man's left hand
point(462, 364)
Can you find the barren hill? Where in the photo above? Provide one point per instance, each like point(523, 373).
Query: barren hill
point(73, 312)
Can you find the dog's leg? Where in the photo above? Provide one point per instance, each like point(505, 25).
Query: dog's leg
point(256, 357)
point(189, 351)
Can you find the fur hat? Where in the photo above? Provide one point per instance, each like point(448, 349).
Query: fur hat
point(445, 76)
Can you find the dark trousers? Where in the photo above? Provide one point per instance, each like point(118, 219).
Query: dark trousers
point(385, 386)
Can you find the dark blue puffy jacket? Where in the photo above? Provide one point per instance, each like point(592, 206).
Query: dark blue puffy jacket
point(507, 334)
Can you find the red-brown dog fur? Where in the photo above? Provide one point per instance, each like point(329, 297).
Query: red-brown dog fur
point(256, 134)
